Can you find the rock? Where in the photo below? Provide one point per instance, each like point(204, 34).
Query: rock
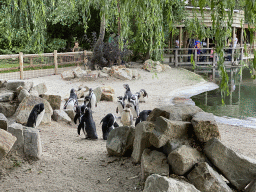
point(32, 143)
point(238, 169)
point(8, 109)
point(27, 104)
point(251, 187)
point(205, 126)
point(19, 89)
point(14, 84)
point(54, 100)
point(98, 93)
point(184, 158)
point(2, 83)
point(60, 115)
point(81, 93)
point(7, 141)
point(107, 97)
point(106, 70)
point(166, 130)
point(120, 73)
point(16, 130)
point(150, 65)
point(129, 72)
point(71, 113)
point(158, 68)
point(141, 140)
point(3, 122)
point(40, 88)
point(67, 75)
point(165, 67)
point(204, 178)
point(174, 144)
point(103, 75)
point(178, 113)
point(78, 72)
point(155, 183)
point(6, 96)
point(34, 93)
point(90, 77)
point(23, 93)
point(108, 89)
point(153, 162)
point(94, 73)
point(135, 74)
point(120, 141)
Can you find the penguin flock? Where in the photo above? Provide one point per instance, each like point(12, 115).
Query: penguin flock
point(127, 108)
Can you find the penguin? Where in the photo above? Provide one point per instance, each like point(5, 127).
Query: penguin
point(87, 124)
point(79, 113)
point(90, 100)
point(134, 101)
point(36, 115)
point(143, 94)
point(126, 116)
point(72, 102)
point(109, 123)
point(120, 105)
point(142, 116)
point(128, 93)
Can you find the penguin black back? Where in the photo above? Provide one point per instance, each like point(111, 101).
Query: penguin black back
point(142, 116)
point(37, 109)
point(109, 122)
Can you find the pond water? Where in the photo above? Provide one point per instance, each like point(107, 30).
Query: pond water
point(241, 103)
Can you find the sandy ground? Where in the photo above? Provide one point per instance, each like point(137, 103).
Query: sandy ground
point(71, 163)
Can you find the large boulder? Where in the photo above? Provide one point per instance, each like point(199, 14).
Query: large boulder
point(108, 93)
point(7, 141)
point(172, 112)
point(54, 100)
point(34, 93)
point(40, 88)
point(3, 122)
point(16, 130)
point(141, 141)
point(174, 144)
point(8, 109)
point(60, 115)
point(32, 143)
point(25, 107)
point(206, 179)
point(23, 93)
point(159, 183)
point(238, 169)
point(3, 83)
point(98, 93)
point(205, 126)
point(6, 96)
point(120, 73)
point(67, 75)
point(251, 187)
point(153, 162)
point(166, 130)
point(14, 84)
point(120, 141)
point(71, 113)
point(154, 66)
point(78, 72)
point(184, 158)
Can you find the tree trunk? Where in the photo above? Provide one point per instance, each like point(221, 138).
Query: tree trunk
point(119, 31)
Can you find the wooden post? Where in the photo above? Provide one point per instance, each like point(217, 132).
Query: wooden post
point(242, 37)
point(214, 59)
point(31, 61)
point(21, 65)
point(180, 41)
point(195, 56)
point(85, 60)
point(208, 52)
point(233, 40)
point(55, 62)
point(242, 55)
point(213, 74)
point(176, 57)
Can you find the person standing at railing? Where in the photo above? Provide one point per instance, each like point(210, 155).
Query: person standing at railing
point(76, 48)
point(198, 46)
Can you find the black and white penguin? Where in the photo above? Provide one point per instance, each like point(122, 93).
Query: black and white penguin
point(127, 93)
point(72, 102)
point(79, 113)
point(126, 116)
point(87, 124)
point(134, 101)
point(120, 105)
point(142, 96)
point(90, 100)
point(36, 115)
point(142, 116)
point(108, 123)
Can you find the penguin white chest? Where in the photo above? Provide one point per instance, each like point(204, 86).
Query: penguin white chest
point(93, 101)
point(39, 118)
point(126, 118)
point(71, 104)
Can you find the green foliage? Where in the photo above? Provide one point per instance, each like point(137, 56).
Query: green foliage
point(55, 44)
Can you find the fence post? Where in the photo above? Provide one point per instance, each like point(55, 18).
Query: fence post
point(176, 57)
point(232, 54)
point(31, 61)
point(21, 65)
point(85, 59)
point(195, 56)
point(55, 61)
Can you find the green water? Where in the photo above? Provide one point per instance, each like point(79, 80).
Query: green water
point(241, 103)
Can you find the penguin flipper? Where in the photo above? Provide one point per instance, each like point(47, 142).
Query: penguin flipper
point(80, 126)
point(116, 124)
point(76, 117)
point(117, 110)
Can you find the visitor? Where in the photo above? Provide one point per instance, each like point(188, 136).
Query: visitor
point(177, 42)
point(198, 46)
point(190, 44)
point(76, 48)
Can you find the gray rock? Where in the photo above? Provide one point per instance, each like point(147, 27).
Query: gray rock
point(23, 94)
point(27, 104)
point(14, 84)
point(8, 109)
point(67, 75)
point(34, 93)
point(120, 141)
point(98, 92)
point(3, 122)
point(16, 130)
point(153, 162)
point(238, 169)
point(120, 73)
point(103, 75)
point(106, 69)
point(54, 100)
point(7, 141)
point(157, 183)
point(166, 130)
point(172, 112)
point(205, 126)
point(71, 113)
point(78, 72)
point(2, 83)
point(184, 158)
point(40, 88)
point(32, 143)
point(141, 141)
point(204, 178)
point(251, 187)
point(6, 96)
point(174, 144)
point(89, 77)
point(107, 97)
point(60, 115)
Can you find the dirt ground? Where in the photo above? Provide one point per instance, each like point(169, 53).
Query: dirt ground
point(71, 163)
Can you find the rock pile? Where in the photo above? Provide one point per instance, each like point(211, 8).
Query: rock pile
point(185, 141)
point(155, 66)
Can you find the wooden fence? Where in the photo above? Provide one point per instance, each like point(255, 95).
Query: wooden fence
point(34, 61)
